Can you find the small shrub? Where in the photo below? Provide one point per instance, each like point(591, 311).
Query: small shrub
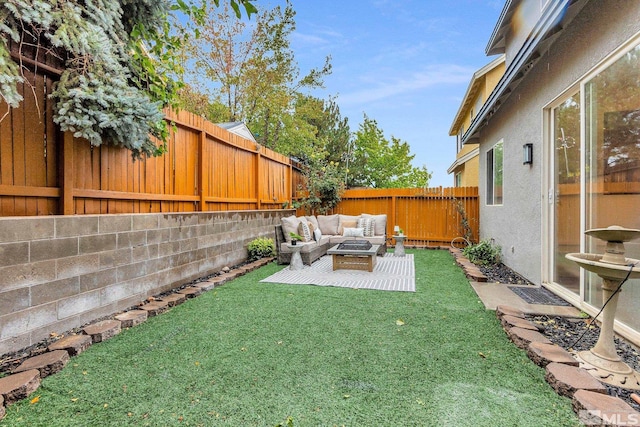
point(262, 247)
point(484, 253)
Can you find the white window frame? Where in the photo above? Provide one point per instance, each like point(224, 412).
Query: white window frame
point(458, 179)
point(490, 176)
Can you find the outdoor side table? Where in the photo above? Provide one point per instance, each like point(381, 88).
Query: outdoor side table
point(399, 251)
point(296, 259)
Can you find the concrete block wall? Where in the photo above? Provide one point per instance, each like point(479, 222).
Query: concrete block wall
point(60, 272)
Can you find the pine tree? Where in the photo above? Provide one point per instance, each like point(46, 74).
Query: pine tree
point(121, 63)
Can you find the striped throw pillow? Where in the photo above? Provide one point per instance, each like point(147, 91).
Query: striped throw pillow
point(304, 231)
point(368, 225)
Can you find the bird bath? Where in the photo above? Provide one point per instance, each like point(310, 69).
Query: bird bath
point(602, 361)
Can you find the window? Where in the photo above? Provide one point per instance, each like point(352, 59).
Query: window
point(494, 174)
point(459, 139)
point(458, 179)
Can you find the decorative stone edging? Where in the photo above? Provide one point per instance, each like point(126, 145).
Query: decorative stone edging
point(590, 400)
point(25, 379)
point(470, 269)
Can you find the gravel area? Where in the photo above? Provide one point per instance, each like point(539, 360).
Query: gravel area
point(503, 274)
point(564, 332)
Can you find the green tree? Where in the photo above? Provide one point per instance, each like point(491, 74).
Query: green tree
point(122, 63)
point(254, 72)
point(199, 103)
point(324, 184)
point(380, 163)
point(334, 130)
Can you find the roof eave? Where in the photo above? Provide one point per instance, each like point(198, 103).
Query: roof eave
point(464, 159)
point(470, 89)
point(496, 43)
point(545, 31)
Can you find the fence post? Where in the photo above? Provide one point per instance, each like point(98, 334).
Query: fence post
point(67, 174)
point(201, 174)
point(393, 213)
point(258, 180)
point(291, 183)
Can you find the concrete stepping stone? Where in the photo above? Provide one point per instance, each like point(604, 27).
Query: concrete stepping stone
point(2, 410)
point(523, 337)
point(542, 354)
point(598, 409)
point(72, 344)
point(509, 322)
point(154, 308)
point(47, 363)
point(132, 318)
point(191, 291)
point(18, 386)
point(102, 331)
point(501, 310)
point(174, 299)
point(566, 380)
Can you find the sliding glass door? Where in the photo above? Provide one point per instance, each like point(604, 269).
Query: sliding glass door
point(612, 167)
point(566, 192)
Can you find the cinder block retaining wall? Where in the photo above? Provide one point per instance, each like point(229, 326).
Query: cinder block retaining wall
point(60, 272)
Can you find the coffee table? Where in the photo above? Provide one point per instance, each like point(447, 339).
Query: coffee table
point(354, 259)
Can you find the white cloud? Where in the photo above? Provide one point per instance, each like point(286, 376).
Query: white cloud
point(377, 88)
point(317, 36)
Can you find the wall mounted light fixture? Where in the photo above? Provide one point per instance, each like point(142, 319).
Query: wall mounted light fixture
point(527, 154)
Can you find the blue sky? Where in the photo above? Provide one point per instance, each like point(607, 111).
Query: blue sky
point(405, 63)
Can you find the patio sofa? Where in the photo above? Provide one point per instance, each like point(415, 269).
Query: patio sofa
point(321, 232)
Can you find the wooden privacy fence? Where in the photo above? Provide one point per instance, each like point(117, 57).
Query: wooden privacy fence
point(428, 216)
point(206, 168)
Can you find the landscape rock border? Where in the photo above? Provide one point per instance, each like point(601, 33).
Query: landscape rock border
point(25, 378)
point(590, 400)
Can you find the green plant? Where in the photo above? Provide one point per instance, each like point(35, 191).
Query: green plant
point(465, 227)
point(484, 253)
point(295, 237)
point(262, 247)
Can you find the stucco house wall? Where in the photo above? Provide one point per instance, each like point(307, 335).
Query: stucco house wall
point(600, 28)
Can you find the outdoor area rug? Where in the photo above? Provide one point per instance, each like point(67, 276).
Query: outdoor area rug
point(390, 274)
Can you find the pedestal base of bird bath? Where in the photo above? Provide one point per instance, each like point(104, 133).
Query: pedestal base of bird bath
point(602, 361)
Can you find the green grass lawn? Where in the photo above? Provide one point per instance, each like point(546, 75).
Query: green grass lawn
point(253, 354)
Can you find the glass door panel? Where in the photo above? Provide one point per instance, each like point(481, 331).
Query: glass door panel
point(566, 223)
point(612, 169)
